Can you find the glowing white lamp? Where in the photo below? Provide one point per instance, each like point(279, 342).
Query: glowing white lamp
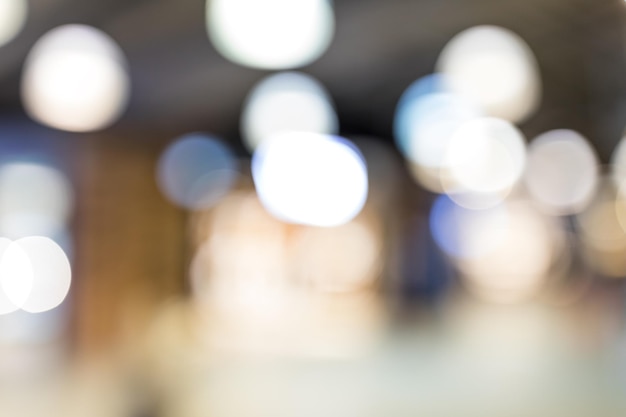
point(12, 18)
point(271, 34)
point(75, 79)
point(287, 102)
point(563, 172)
point(52, 274)
point(310, 179)
point(494, 67)
point(35, 275)
point(486, 157)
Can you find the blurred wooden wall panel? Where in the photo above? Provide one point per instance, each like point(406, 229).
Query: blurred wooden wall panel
point(129, 242)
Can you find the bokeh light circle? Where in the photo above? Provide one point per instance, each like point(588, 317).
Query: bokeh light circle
point(562, 172)
point(271, 34)
point(485, 156)
point(599, 223)
point(286, 102)
point(601, 230)
point(35, 275)
point(16, 276)
point(12, 18)
point(618, 164)
point(51, 271)
point(517, 267)
point(310, 179)
point(427, 116)
point(458, 230)
point(196, 171)
point(75, 79)
point(494, 67)
point(36, 200)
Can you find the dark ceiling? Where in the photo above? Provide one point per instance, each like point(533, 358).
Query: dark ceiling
point(180, 83)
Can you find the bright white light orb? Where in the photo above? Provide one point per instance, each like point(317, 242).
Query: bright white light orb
point(494, 67)
point(196, 171)
point(562, 172)
point(287, 102)
point(16, 276)
point(52, 274)
point(271, 34)
point(310, 179)
point(12, 18)
point(485, 156)
point(75, 79)
point(35, 275)
point(36, 200)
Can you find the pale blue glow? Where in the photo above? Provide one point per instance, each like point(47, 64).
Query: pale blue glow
point(460, 232)
point(196, 171)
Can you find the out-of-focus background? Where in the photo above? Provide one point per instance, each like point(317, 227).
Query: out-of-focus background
point(239, 208)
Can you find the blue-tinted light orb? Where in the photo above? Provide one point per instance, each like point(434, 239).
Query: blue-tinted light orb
point(196, 171)
point(458, 230)
point(426, 116)
point(37, 199)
